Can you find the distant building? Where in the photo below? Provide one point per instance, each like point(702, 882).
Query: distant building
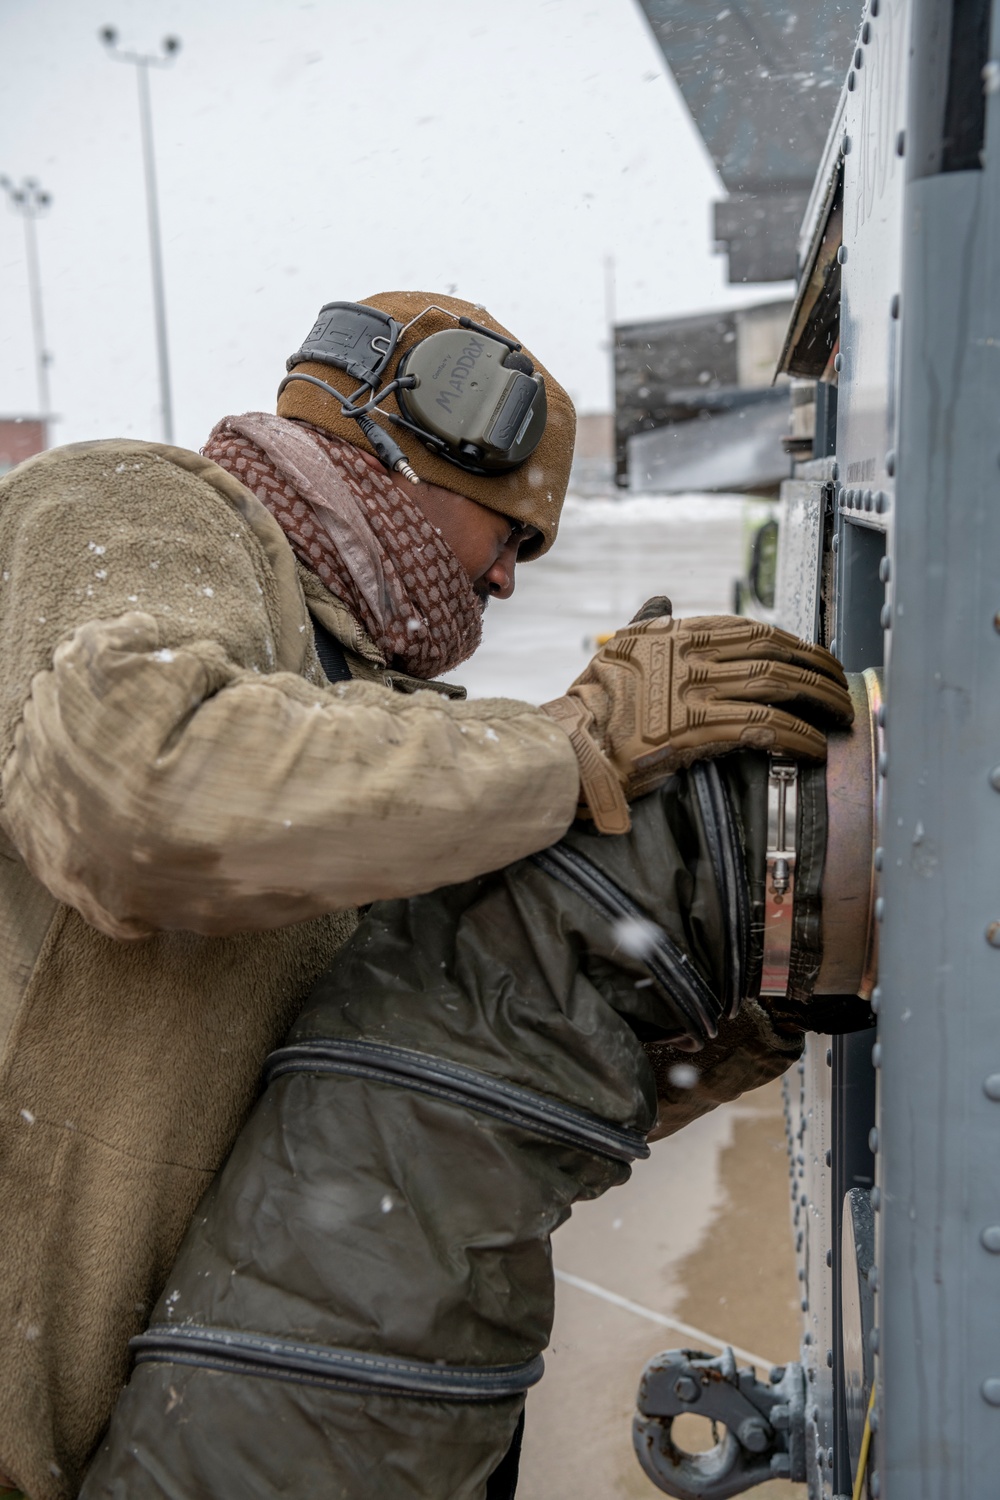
point(695, 408)
point(20, 437)
point(594, 454)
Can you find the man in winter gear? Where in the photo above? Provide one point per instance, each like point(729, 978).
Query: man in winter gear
point(192, 809)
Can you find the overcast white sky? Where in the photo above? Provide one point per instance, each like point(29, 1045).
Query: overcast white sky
point(316, 151)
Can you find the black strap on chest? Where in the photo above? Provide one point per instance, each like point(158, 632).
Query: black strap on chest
point(332, 657)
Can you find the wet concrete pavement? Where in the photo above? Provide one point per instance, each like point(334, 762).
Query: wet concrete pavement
point(700, 1235)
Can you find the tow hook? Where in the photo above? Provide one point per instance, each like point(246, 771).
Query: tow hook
point(764, 1424)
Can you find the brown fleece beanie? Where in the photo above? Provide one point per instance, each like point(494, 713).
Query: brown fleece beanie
point(532, 494)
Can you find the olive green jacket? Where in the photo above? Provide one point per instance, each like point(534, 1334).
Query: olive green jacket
point(367, 1286)
point(189, 816)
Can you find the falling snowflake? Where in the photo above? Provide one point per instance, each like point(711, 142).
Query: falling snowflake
point(683, 1076)
point(636, 936)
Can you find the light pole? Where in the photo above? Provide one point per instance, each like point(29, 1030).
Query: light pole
point(610, 318)
point(31, 201)
point(142, 61)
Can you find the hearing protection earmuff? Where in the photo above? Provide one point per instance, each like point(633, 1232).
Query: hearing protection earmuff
point(470, 395)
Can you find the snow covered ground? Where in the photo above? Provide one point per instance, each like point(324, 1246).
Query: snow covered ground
point(610, 555)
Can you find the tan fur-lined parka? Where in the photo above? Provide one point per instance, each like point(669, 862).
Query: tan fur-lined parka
point(190, 813)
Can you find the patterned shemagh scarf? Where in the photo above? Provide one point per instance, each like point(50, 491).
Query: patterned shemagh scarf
point(362, 535)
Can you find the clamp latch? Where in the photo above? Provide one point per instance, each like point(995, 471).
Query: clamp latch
point(779, 879)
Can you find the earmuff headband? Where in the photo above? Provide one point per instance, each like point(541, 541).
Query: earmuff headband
point(470, 395)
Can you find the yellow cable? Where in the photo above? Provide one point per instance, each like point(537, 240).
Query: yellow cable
point(866, 1442)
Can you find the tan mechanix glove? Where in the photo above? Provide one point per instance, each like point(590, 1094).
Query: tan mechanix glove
point(663, 693)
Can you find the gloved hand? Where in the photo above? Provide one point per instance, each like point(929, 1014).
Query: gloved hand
point(663, 693)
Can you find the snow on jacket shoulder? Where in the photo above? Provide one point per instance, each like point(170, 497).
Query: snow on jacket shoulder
point(165, 763)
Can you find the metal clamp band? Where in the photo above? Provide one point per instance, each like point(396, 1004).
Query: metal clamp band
point(779, 879)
